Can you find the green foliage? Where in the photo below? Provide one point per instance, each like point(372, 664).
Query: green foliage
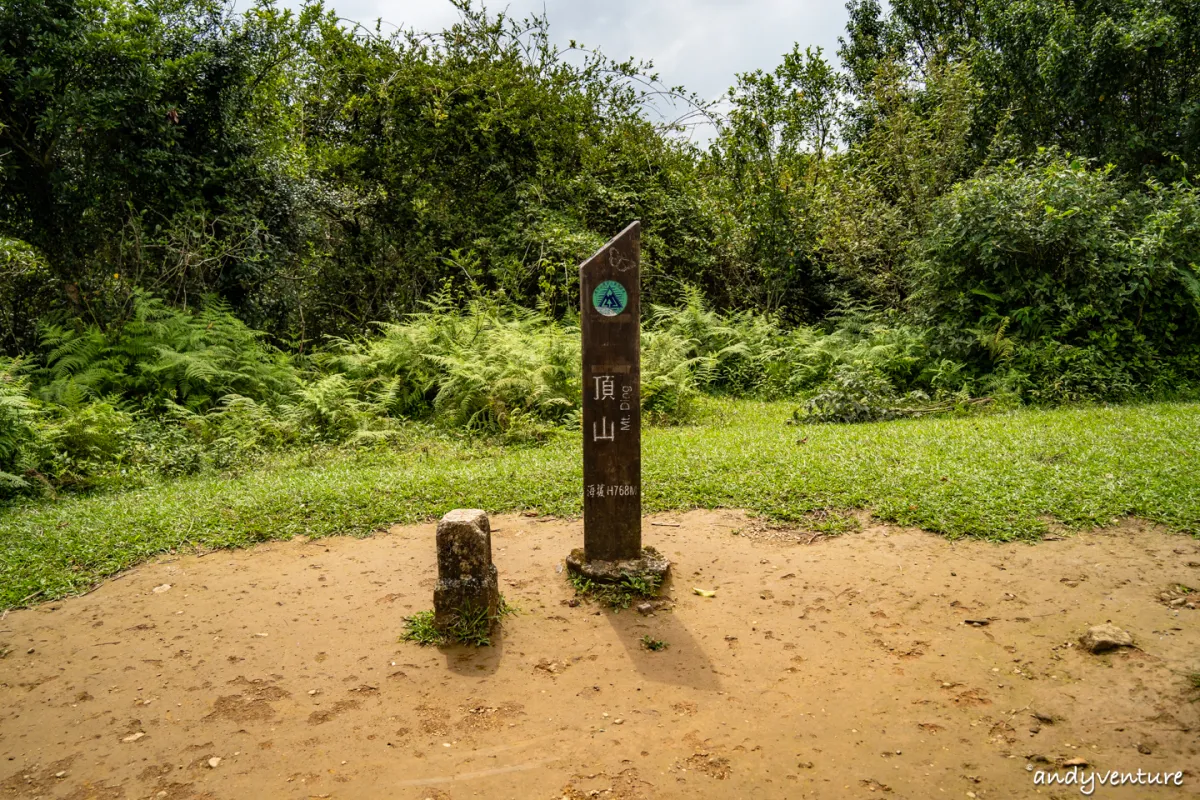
point(226, 235)
point(1084, 467)
point(870, 366)
point(48, 445)
point(83, 441)
point(17, 423)
point(652, 644)
point(1129, 68)
point(852, 394)
point(173, 392)
point(875, 200)
point(619, 595)
point(1049, 270)
point(312, 179)
point(733, 353)
point(470, 625)
point(670, 374)
point(1116, 81)
point(223, 235)
point(25, 283)
point(763, 167)
point(495, 368)
point(483, 156)
point(999, 477)
point(136, 140)
point(240, 423)
point(863, 339)
point(516, 371)
point(165, 392)
point(162, 355)
point(859, 393)
point(419, 628)
point(490, 367)
point(318, 177)
point(327, 406)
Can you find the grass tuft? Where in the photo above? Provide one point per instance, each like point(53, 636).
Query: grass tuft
point(616, 595)
point(419, 628)
point(471, 626)
point(831, 523)
point(654, 645)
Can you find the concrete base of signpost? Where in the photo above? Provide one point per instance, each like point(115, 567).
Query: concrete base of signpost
point(651, 564)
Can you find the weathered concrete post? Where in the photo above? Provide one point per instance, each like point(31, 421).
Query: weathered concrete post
point(466, 575)
point(610, 318)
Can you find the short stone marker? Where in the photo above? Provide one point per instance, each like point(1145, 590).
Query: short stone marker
point(610, 319)
point(467, 580)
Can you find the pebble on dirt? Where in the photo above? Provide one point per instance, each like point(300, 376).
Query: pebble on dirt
point(1101, 638)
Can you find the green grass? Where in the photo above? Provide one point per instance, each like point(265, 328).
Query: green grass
point(996, 476)
point(616, 595)
point(471, 626)
point(654, 645)
point(419, 628)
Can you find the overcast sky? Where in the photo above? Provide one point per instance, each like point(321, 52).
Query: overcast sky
point(700, 44)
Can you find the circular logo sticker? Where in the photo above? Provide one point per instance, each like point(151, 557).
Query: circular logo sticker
point(610, 298)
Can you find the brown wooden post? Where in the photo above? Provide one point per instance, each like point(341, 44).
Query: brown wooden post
point(610, 318)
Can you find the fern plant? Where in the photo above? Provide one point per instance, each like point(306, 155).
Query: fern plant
point(17, 415)
point(732, 353)
point(163, 354)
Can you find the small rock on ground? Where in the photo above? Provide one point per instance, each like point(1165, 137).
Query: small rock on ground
point(1100, 638)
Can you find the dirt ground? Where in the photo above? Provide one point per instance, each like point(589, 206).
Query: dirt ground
point(843, 667)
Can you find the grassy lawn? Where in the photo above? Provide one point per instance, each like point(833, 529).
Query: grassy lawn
point(997, 477)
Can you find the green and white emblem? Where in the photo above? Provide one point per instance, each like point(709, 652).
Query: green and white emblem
point(610, 298)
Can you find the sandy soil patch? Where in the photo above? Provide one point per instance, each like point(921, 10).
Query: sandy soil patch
point(844, 667)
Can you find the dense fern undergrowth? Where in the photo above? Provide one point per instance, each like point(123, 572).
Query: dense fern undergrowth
point(174, 392)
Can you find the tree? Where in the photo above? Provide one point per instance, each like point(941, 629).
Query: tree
point(1116, 80)
point(766, 159)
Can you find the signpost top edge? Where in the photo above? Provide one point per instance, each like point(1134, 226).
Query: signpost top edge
point(633, 227)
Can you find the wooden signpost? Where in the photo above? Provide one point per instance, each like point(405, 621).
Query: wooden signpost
point(610, 317)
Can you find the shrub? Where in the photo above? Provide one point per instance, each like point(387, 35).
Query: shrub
point(1051, 269)
point(326, 409)
point(898, 352)
point(490, 367)
point(853, 393)
point(17, 423)
point(162, 354)
point(732, 353)
point(670, 375)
